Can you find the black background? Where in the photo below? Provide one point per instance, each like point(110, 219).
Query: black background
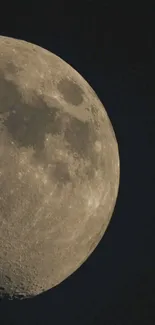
point(113, 48)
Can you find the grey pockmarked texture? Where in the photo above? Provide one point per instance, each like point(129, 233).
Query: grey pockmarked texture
point(59, 169)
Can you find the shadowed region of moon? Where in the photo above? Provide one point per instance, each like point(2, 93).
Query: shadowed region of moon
point(59, 169)
point(71, 92)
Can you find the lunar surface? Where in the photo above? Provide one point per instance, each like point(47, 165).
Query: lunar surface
point(59, 169)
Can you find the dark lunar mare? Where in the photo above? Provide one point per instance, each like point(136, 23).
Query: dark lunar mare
point(72, 93)
point(28, 123)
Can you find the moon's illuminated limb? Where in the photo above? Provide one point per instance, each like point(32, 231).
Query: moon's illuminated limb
point(59, 169)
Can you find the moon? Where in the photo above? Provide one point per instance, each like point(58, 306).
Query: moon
point(59, 169)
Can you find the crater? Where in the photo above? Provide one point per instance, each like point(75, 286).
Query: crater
point(2, 289)
point(19, 296)
point(72, 92)
point(11, 69)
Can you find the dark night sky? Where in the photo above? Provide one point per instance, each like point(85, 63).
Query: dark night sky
point(113, 49)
